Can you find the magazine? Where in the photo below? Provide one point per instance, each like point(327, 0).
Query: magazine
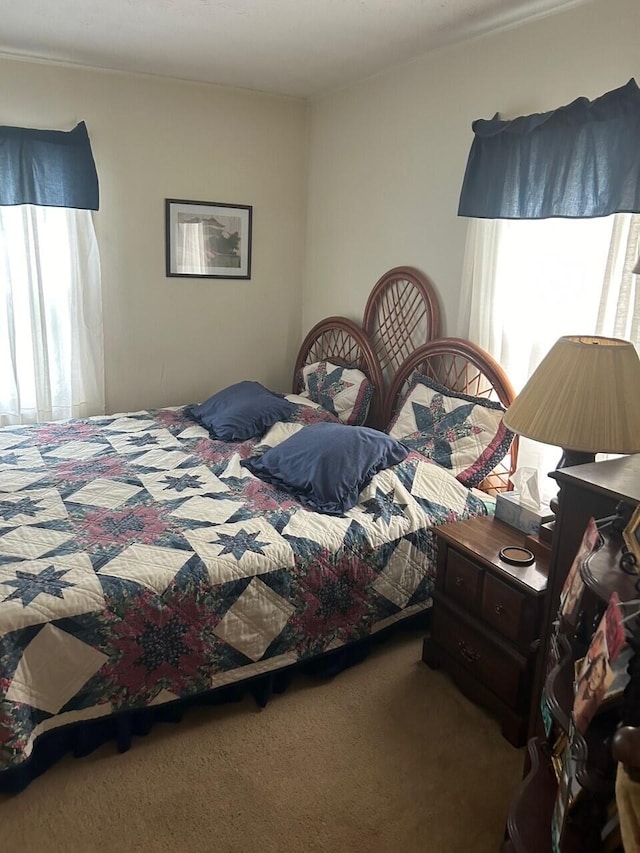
point(568, 789)
point(598, 676)
point(573, 587)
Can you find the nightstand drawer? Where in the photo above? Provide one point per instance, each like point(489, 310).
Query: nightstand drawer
point(488, 663)
point(503, 607)
point(462, 580)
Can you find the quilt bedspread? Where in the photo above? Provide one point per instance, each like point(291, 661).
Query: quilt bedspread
point(141, 563)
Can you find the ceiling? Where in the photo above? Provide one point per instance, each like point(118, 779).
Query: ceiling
point(300, 48)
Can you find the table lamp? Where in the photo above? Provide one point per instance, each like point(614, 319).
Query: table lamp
point(584, 397)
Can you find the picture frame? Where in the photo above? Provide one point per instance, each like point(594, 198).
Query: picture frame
point(631, 536)
point(207, 239)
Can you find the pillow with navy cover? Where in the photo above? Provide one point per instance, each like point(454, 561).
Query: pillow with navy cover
point(326, 466)
point(241, 411)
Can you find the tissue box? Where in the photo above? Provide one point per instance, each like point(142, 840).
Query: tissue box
point(510, 510)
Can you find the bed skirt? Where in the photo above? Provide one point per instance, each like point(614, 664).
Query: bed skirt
point(80, 739)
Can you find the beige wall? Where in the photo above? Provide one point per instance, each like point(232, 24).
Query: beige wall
point(168, 340)
point(382, 172)
point(387, 156)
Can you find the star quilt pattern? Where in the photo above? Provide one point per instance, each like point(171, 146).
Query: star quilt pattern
point(141, 563)
point(463, 434)
point(343, 391)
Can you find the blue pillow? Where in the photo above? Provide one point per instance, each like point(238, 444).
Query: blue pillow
point(326, 466)
point(241, 411)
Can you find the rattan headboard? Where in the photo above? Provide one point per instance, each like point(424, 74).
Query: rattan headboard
point(341, 341)
point(464, 367)
point(402, 312)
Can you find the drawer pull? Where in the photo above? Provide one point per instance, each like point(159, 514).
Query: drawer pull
point(469, 654)
point(499, 608)
point(459, 581)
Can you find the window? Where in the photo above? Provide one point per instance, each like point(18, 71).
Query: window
point(554, 202)
point(51, 351)
point(51, 359)
point(528, 282)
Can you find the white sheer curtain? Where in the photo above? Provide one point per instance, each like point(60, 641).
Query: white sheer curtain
point(51, 347)
point(528, 282)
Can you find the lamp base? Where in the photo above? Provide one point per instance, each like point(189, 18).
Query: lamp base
point(575, 457)
point(568, 459)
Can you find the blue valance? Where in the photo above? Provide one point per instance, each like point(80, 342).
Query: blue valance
point(51, 168)
point(581, 160)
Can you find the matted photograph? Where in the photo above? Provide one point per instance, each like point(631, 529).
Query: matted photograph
point(207, 239)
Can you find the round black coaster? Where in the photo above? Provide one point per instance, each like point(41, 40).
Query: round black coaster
point(517, 556)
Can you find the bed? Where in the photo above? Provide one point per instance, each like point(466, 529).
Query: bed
point(144, 566)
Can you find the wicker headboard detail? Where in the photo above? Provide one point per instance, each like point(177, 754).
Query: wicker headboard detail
point(464, 367)
point(341, 341)
point(402, 312)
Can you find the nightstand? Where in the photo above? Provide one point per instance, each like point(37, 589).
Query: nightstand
point(486, 618)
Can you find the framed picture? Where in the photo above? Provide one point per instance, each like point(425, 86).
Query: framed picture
point(631, 536)
point(207, 239)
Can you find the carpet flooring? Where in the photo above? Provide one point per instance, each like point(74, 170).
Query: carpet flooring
point(387, 757)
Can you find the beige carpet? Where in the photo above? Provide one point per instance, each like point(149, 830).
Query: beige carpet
point(385, 758)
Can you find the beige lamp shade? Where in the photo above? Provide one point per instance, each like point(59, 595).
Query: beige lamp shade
point(584, 396)
point(636, 269)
